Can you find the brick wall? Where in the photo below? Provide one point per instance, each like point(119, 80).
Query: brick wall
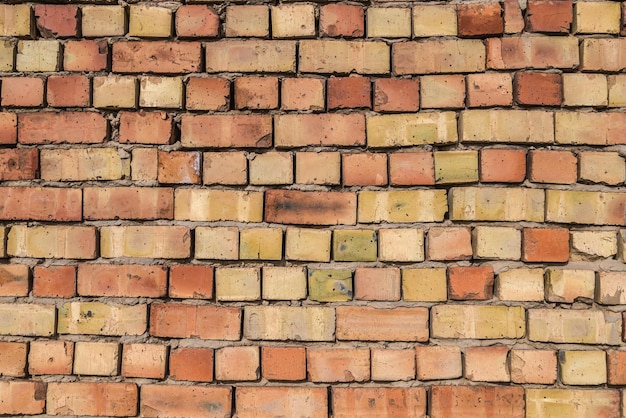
point(313, 209)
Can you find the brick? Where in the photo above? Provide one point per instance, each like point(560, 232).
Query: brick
point(503, 125)
point(122, 280)
point(593, 244)
point(540, 52)
point(27, 319)
point(600, 17)
point(145, 128)
point(513, 19)
point(348, 92)
point(85, 55)
point(470, 283)
point(237, 364)
point(338, 365)
point(161, 92)
point(238, 131)
point(434, 20)
point(402, 206)
point(364, 169)
point(492, 89)
point(424, 285)
point(589, 128)
point(492, 204)
point(569, 285)
point(40, 203)
point(549, 325)
point(354, 245)
point(363, 323)
point(571, 402)
point(156, 57)
point(15, 20)
point(345, 20)
point(388, 22)
point(37, 56)
point(284, 283)
point(197, 21)
point(302, 94)
point(128, 203)
point(190, 363)
point(56, 20)
point(68, 91)
point(453, 56)
point(268, 402)
point(174, 320)
point(13, 359)
point(251, 56)
point(502, 165)
point(456, 166)
point(411, 168)
point(7, 49)
point(214, 205)
point(583, 367)
point(396, 95)
point(318, 167)
point(144, 360)
point(179, 167)
point(615, 362)
point(480, 19)
point(307, 244)
point(150, 21)
point(247, 20)
point(50, 357)
point(191, 281)
point(542, 89)
point(601, 167)
point(97, 318)
point(442, 91)
point(393, 365)
point(273, 322)
point(3, 251)
point(145, 241)
point(487, 364)
point(144, 164)
point(485, 401)
point(451, 243)
point(221, 243)
point(96, 359)
point(545, 245)
point(22, 91)
point(188, 401)
point(8, 128)
point(331, 56)
point(293, 21)
point(549, 166)
point(99, 21)
point(327, 129)
point(310, 208)
point(549, 16)
point(610, 288)
point(212, 93)
point(58, 128)
point(594, 86)
point(477, 322)
point(237, 284)
point(330, 285)
point(54, 281)
point(271, 168)
point(520, 284)
point(22, 397)
point(602, 55)
point(14, 280)
point(533, 366)
point(438, 362)
point(406, 402)
point(52, 241)
point(497, 243)
point(401, 245)
point(283, 363)
point(617, 90)
point(19, 164)
point(256, 92)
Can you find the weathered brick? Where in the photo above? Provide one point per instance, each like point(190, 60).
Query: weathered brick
point(339, 19)
point(610, 288)
point(449, 56)
point(348, 92)
point(40, 203)
point(411, 129)
point(188, 401)
point(568, 285)
point(602, 54)
point(144, 360)
point(485, 401)
point(145, 241)
point(310, 208)
point(331, 56)
point(178, 167)
point(363, 323)
point(149, 21)
point(122, 280)
point(585, 89)
point(22, 91)
point(424, 285)
point(434, 20)
point(364, 169)
point(552, 166)
point(564, 326)
point(50, 357)
point(312, 323)
point(520, 284)
point(396, 95)
point(98, 21)
point(37, 56)
point(533, 366)
point(176, 320)
point(85, 55)
point(318, 167)
point(250, 56)
point(442, 91)
point(406, 402)
point(53, 241)
point(13, 359)
point(224, 168)
point(97, 318)
point(411, 168)
point(261, 244)
point(268, 402)
point(388, 22)
point(377, 283)
point(237, 364)
point(253, 92)
point(501, 243)
point(302, 94)
point(56, 20)
point(437, 362)
point(27, 319)
point(283, 363)
point(338, 365)
point(220, 243)
point(617, 90)
point(128, 203)
point(8, 128)
point(161, 92)
point(477, 322)
point(491, 89)
point(487, 364)
point(402, 206)
point(191, 281)
point(354, 245)
point(593, 244)
point(237, 284)
point(583, 367)
point(80, 164)
point(156, 57)
point(330, 285)
point(597, 17)
point(271, 168)
point(393, 365)
point(401, 244)
point(601, 167)
point(480, 19)
point(470, 283)
point(596, 208)
point(144, 164)
point(59, 128)
point(532, 52)
point(68, 91)
point(541, 403)
point(284, 283)
point(545, 245)
point(504, 125)
point(327, 129)
point(14, 280)
point(535, 88)
point(589, 128)
point(241, 131)
point(293, 21)
point(211, 93)
point(247, 20)
point(195, 21)
point(96, 358)
point(215, 205)
point(54, 281)
point(307, 244)
point(97, 399)
point(456, 167)
point(549, 16)
point(15, 20)
point(615, 363)
point(22, 397)
point(513, 19)
point(145, 128)
point(195, 364)
point(494, 204)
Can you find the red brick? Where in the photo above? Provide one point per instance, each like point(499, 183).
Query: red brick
point(480, 19)
point(191, 281)
point(271, 402)
point(12, 358)
point(163, 57)
point(545, 245)
point(310, 208)
point(54, 281)
point(97, 399)
point(549, 15)
point(342, 20)
point(502, 165)
point(479, 401)
point(50, 357)
point(21, 397)
point(145, 128)
point(364, 169)
point(205, 322)
point(194, 364)
point(349, 92)
point(68, 91)
point(40, 204)
point(185, 401)
point(491, 89)
point(178, 167)
point(56, 20)
point(453, 243)
point(197, 21)
point(122, 280)
point(538, 88)
point(470, 283)
point(549, 166)
point(256, 92)
point(283, 363)
point(377, 283)
point(326, 129)
point(616, 362)
point(338, 364)
point(8, 128)
point(85, 55)
point(59, 128)
point(379, 402)
point(144, 360)
point(14, 280)
point(513, 19)
point(364, 323)
point(22, 91)
point(128, 203)
point(19, 163)
point(211, 93)
point(411, 168)
point(240, 131)
point(396, 95)
point(241, 363)
point(540, 52)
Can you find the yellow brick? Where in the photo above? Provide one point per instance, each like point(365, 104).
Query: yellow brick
point(591, 128)
point(621, 245)
point(79, 164)
point(593, 244)
point(40, 55)
point(617, 90)
point(218, 205)
point(448, 56)
point(318, 168)
point(520, 285)
point(99, 21)
point(22, 319)
point(272, 168)
point(582, 367)
point(284, 283)
point(247, 21)
point(7, 49)
point(547, 403)
point(602, 167)
point(574, 326)
point(3, 234)
point(52, 241)
point(251, 55)
point(145, 241)
point(261, 244)
point(97, 318)
point(116, 92)
point(144, 164)
point(456, 167)
point(499, 243)
point(220, 243)
point(15, 20)
point(303, 244)
point(295, 323)
point(583, 89)
point(596, 208)
point(330, 285)
point(354, 245)
point(401, 244)
point(161, 92)
point(424, 285)
point(567, 285)
point(293, 21)
point(388, 22)
point(407, 130)
point(150, 21)
point(477, 322)
point(237, 284)
point(434, 20)
point(402, 206)
point(334, 56)
point(96, 358)
point(597, 17)
point(496, 204)
point(442, 91)
point(611, 288)
point(515, 126)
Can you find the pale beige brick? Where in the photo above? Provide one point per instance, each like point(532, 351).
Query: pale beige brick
point(15, 20)
point(293, 21)
point(434, 20)
point(583, 89)
point(500, 243)
point(617, 90)
point(496, 204)
point(568, 285)
point(249, 56)
point(237, 284)
point(52, 241)
point(448, 56)
point(96, 358)
point(593, 244)
point(333, 56)
point(40, 55)
point(261, 244)
point(144, 164)
point(27, 319)
point(565, 325)
point(161, 92)
point(284, 283)
point(245, 20)
point(103, 21)
point(80, 164)
point(7, 49)
point(406, 130)
point(583, 367)
point(401, 244)
point(388, 22)
point(306, 244)
point(145, 241)
point(318, 167)
point(545, 403)
point(597, 17)
point(3, 249)
point(596, 208)
point(114, 91)
point(442, 91)
point(602, 167)
point(219, 243)
point(589, 128)
point(97, 318)
point(424, 285)
point(477, 322)
point(218, 205)
point(272, 168)
point(402, 206)
point(611, 288)
point(150, 21)
point(520, 285)
point(313, 323)
point(515, 126)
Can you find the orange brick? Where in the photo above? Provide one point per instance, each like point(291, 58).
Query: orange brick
point(50, 357)
point(349, 92)
point(22, 397)
point(186, 401)
point(59, 128)
point(145, 128)
point(438, 362)
point(502, 165)
point(19, 163)
point(40, 203)
point(283, 363)
point(237, 364)
point(540, 52)
point(256, 92)
point(533, 366)
point(377, 283)
point(480, 19)
point(212, 93)
point(379, 402)
point(270, 402)
point(483, 401)
point(144, 164)
point(338, 364)
point(175, 320)
point(8, 128)
point(85, 55)
point(225, 168)
point(549, 15)
point(543, 89)
point(396, 95)
point(363, 323)
point(177, 167)
point(54, 281)
point(128, 203)
point(191, 281)
point(342, 20)
point(22, 91)
point(310, 208)
point(195, 21)
point(470, 283)
point(144, 360)
point(302, 94)
point(492, 89)
point(318, 167)
point(545, 245)
point(616, 361)
point(327, 129)
point(239, 131)
point(453, 243)
point(163, 57)
point(122, 280)
point(411, 168)
point(549, 166)
point(513, 19)
point(98, 399)
point(393, 365)
point(487, 364)
point(13, 359)
point(55, 21)
point(250, 56)
point(68, 91)
point(364, 169)
point(14, 279)
point(194, 364)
